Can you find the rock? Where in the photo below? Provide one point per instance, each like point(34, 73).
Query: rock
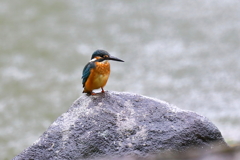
point(218, 153)
point(122, 124)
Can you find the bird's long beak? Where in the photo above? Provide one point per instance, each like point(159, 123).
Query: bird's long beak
point(114, 59)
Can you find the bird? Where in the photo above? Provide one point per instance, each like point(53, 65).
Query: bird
point(96, 72)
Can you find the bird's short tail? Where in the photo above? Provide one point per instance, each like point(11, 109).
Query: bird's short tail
point(86, 91)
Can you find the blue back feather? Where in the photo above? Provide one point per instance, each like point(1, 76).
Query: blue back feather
point(86, 72)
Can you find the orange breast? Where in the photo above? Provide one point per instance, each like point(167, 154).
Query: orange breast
point(98, 76)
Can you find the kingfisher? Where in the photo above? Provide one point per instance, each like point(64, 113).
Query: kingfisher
point(96, 72)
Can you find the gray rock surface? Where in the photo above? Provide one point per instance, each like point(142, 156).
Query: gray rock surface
point(121, 124)
point(218, 153)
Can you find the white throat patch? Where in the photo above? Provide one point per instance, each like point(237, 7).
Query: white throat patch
point(105, 61)
point(94, 59)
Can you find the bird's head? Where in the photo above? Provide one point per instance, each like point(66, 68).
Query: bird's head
point(102, 55)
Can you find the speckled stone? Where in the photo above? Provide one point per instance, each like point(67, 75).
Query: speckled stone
point(120, 124)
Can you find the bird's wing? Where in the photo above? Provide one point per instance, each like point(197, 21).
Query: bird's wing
point(86, 72)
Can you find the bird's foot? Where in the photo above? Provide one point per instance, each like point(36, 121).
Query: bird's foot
point(102, 90)
point(92, 93)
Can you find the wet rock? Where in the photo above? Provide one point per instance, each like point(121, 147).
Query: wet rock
point(122, 124)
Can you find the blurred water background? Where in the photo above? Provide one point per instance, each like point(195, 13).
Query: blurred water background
point(184, 52)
